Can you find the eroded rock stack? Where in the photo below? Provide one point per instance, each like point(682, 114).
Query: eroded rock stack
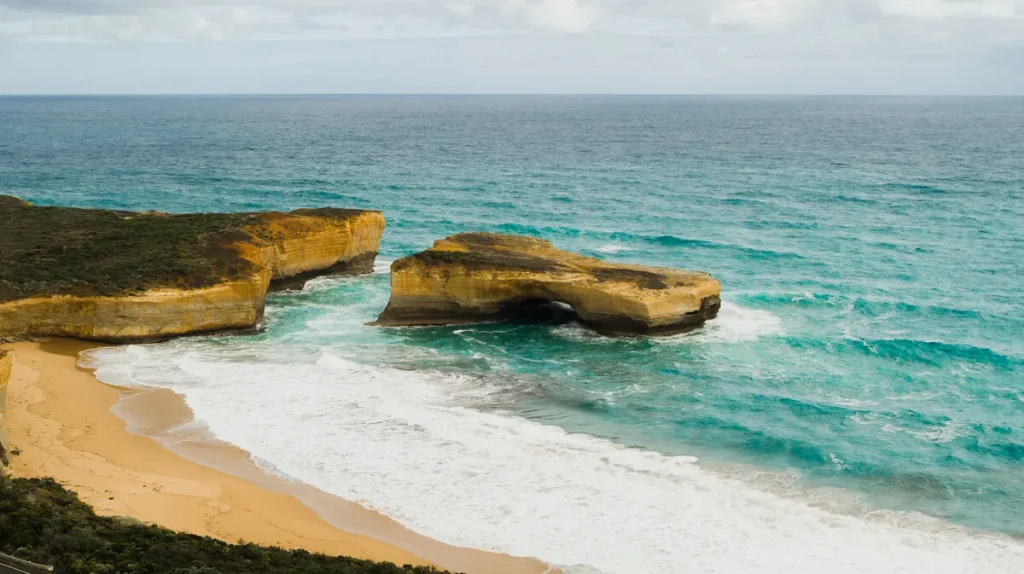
point(473, 277)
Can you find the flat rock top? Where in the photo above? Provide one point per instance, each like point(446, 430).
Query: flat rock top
point(495, 252)
point(48, 251)
point(474, 277)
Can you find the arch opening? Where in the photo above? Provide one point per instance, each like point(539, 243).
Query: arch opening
point(538, 311)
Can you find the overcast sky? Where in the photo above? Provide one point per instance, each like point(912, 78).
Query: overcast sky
point(512, 46)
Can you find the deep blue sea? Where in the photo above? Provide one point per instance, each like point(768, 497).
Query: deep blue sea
point(857, 407)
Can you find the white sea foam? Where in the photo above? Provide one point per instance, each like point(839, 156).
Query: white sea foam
point(734, 324)
point(382, 266)
point(317, 285)
point(404, 443)
point(614, 248)
point(949, 431)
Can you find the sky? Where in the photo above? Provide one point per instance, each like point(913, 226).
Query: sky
point(512, 46)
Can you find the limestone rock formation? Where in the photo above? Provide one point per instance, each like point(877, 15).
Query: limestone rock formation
point(474, 277)
point(125, 276)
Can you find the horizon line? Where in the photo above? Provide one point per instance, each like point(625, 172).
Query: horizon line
point(507, 94)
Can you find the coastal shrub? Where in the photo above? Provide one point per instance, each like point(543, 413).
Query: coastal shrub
point(61, 250)
point(42, 522)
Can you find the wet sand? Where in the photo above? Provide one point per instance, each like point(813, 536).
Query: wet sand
point(149, 461)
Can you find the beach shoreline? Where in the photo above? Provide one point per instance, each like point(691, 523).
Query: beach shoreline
point(137, 453)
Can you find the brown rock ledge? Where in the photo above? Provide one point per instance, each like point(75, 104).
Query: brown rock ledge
point(122, 276)
point(475, 277)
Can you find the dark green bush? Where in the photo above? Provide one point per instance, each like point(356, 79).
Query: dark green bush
point(42, 522)
point(62, 250)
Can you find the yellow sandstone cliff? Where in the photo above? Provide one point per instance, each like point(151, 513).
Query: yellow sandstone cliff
point(155, 314)
point(271, 247)
point(473, 277)
point(314, 241)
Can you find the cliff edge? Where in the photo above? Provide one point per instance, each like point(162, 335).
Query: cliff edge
point(473, 277)
point(123, 276)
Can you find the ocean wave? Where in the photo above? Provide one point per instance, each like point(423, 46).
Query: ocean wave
point(613, 248)
point(936, 353)
point(780, 224)
point(314, 285)
point(734, 324)
point(852, 199)
point(918, 188)
point(934, 429)
point(546, 231)
point(868, 306)
point(904, 350)
point(744, 201)
point(675, 241)
point(499, 205)
point(403, 443)
point(949, 431)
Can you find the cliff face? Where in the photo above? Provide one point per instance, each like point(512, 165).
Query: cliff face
point(484, 277)
point(154, 314)
point(310, 241)
point(222, 285)
point(5, 375)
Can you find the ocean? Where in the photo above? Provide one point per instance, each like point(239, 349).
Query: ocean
point(858, 406)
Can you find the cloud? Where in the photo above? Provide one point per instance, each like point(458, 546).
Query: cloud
point(242, 19)
point(945, 9)
point(763, 14)
point(560, 16)
point(162, 20)
point(786, 39)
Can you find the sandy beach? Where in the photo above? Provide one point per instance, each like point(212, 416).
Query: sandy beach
point(63, 421)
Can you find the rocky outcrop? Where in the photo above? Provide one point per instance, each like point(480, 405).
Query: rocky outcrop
point(261, 250)
point(153, 315)
point(5, 375)
point(474, 277)
point(311, 242)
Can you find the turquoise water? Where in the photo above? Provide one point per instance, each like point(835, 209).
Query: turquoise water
point(869, 357)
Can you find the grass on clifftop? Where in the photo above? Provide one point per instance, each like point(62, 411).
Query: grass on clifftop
point(42, 522)
point(70, 251)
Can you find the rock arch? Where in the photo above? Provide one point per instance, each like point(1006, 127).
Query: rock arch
point(474, 277)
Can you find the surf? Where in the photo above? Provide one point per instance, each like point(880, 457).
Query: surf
point(407, 444)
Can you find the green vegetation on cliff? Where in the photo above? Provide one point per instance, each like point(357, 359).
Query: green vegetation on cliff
point(70, 251)
point(42, 522)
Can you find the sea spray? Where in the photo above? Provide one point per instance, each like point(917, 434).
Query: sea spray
point(734, 323)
